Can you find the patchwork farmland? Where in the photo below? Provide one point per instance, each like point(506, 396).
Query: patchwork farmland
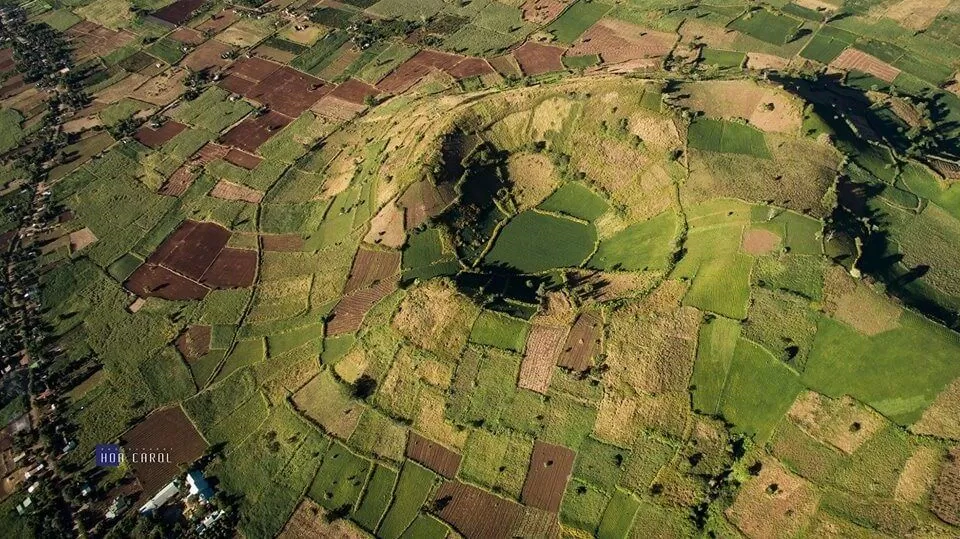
point(541, 268)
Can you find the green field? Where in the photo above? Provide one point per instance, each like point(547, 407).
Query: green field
point(646, 245)
point(576, 200)
point(727, 137)
point(576, 20)
point(767, 26)
point(722, 58)
point(413, 488)
point(533, 242)
point(492, 329)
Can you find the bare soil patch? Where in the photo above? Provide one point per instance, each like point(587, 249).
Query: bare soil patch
point(157, 281)
point(188, 36)
point(218, 22)
point(163, 431)
point(618, 41)
point(191, 248)
point(163, 88)
point(283, 243)
point(370, 267)
point(194, 342)
point(861, 61)
point(470, 67)
point(550, 468)
point(242, 159)
point(154, 138)
point(249, 134)
point(582, 344)
point(819, 5)
point(81, 238)
point(476, 513)
point(90, 39)
point(842, 423)
point(542, 11)
point(775, 503)
point(233, 268)
point(347, 316)
point(867, 311)
point(386, 228)
point(438, 458)
point(289, 91)
point(231, 191)
point(178, 12)
point(759, 241)
point(760, 61)
point(178, 182)
point(543, 348)
point(423, 200)
point(946, 492)
point(355, 91)
point(254, 68)
point(208, 55)
point(536, 59)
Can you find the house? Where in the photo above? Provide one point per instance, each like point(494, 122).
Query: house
point(199, 486)
point(162, 497)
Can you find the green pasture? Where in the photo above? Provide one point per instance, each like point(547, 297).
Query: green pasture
point(533, 242)
point(727, 137)
point(576, 20)
point(576, 200)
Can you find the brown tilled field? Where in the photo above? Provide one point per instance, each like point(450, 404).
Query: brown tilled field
point(617, 41)
point(946, 491)
point(233, 268)
point(194, 342)
point(547, 476)
point(154, 138)
point(355, 91)
point(218, 21)
point(164, 431)
point(188, 36)
point(423, 200)
point(178, 12)
point(476, 513)
point(191, 248)
point(236, 84)
point(542, 11)
point(543, 348)
point(438, 458)
point(371, 267)
point(861, 61)
point(90, 39)
point(289, 91)
point(231, 191)
point(249, 134)
point(253, 68)
point(582, 343)
point(470, 67)
point(536, 59)
point(282, 242)
point(178, 182)
point(310, 521)
point(157, 281)
point(242, 159)
point(349, 312)
point(208, 55)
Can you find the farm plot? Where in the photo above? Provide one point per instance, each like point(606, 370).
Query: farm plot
point(501, 331)
point(371, 267)
point(576, 200)
point(91, 40)
point(582, 344)
point(340, 479)
point(433, 455)
point(576, 20)
point(348, 315)
point(154, 138)
point(536, 59)
point(413, 490)
point(727, 137)
point(194, 342)
point(774, 503)
point(543, 347)
point(533, 242)
point(616, 41)
point(167, 430)
point(376, 497)
point(646, 245)
point(251, 133)
point(827, 44)
point(475, 512)
point(855, 60)
point(767, 26)
point(208, 56)
point(312, 520)
point(178, 12)
point(547, 476)
point(326, 401)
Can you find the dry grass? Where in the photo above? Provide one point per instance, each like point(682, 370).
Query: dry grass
point(867, 311)
point(351, 366)
point(310, 520)
point(435, 317)
point(81, 238)
point(615, 419)
point(775, 503)
point(540, 357)
point(549, 116)
point(431, 423)
point(946, 491)
point(534, 178)
point(163, 88)
point(386, 228)
point(842, 423)
point(918, 475)
point(121, 89)
point(940, 419)
point(758, 61)
point(712, 35)
point(747, 100)
point(916, 14)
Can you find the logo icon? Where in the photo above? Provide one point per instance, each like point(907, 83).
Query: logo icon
point(107, 455)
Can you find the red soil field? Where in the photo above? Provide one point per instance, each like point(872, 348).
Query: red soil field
point(618, 41)
point(289, 91)
point(436, 60)
point(420, 65)
point(536, 59)
point(188, 36)
point(207, 56)
point(476, 513)
point(861, 61)
point(194, 342)
point(195, 253)
point(178, 12)
point(255, 69)
point(249, 134)
point(236, 85)
point(355, 91)
point(154, 138)
point(370, 267)
point(150, 280)
point(12, 86)
point(169, 432)
point(6, 60)
point(242, 159)
point(349, 312)
point(582, 343)
point(550, 467)
point(433, 455)
point(178, 182)
point(282, 243)
point(470, 67)
point(233, 268)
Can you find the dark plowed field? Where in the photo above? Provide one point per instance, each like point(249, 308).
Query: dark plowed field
point(550, 467)
point(154, 138)
point(194, 342)
point(583, 342)
point(370, 267)
point(233, 268)
point(166, 431)
point(438, 458)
